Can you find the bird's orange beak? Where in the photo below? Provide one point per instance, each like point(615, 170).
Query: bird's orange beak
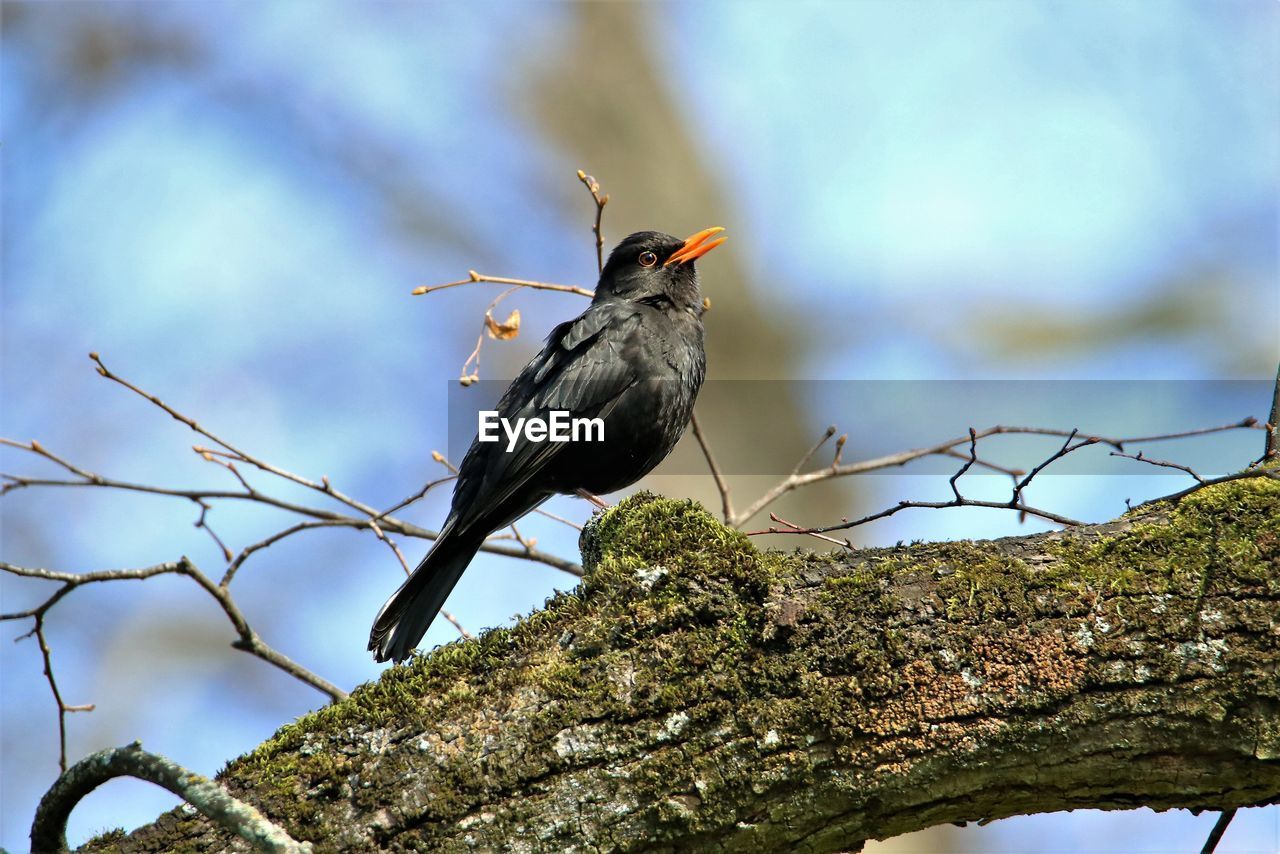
point(695, 246)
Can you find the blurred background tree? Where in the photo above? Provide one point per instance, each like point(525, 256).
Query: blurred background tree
point(231, 202)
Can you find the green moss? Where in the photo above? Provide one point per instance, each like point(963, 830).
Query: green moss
point(646, 530)
point(1214, 540)
point(109, 841)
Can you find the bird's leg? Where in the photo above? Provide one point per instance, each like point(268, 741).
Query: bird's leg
point(594, 499)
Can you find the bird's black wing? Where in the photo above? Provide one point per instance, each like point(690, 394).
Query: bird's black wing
point(581, 370)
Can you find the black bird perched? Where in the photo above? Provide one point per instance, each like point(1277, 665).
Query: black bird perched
point(634, 359)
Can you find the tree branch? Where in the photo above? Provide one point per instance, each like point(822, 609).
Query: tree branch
point(48, 831)
point(695, 693)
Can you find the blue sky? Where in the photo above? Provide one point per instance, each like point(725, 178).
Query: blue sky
point(900, 174)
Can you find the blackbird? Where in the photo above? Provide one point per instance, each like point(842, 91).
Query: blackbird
point(634, 359)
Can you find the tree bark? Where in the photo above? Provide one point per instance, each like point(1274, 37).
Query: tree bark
point(695, 694)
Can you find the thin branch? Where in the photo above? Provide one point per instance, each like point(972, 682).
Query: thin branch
point(796, 481)
point(473, 276)
point(793, 528)
point(36, 448)
point(827, 434)
point(202, 522)
point(958, 500)
point(212, 455)
point(377, 531)
point(466, 635)
point(1162, 463)
point(1016, 498)
point(1249, 423)
point(49, 830)
point(562, 520)
point(726, 501)
point(1272, 450)
point(593, 187)
point(928, 505)
point(247, 639)
point(63, 708)
point(430, 485)
point(474, 358)
point(973, 457)
point(986, 464)
point(271, 540)
point(75, 579)
point(1270, 474)
point(322, 486)
point(331, 517)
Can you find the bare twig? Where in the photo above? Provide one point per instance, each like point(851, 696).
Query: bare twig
point(72, 580)
point(444, 461)
point(47, 656)
point(457, 625)
point(473, 276)
point(1272, 450)
point(560, 519)
point(271, 540)
point(973, 457)
point(1249, 423)
point(931, 505)
point(958, 500)
point(1016, 498)
point(1162, 463)
point(1270, 474)
point(246, 640)
point(798, 480)
point(249, 641)
point(793, 528)
point(726, 501)
point(840, 443)
point(986, 464)
point(593, 187)
point(36, 448)
point(237, 454)
point(378, 532)
point(826, 435)
point(430, 485)
point(202, 522)
point(212, 455)
point(330, 518)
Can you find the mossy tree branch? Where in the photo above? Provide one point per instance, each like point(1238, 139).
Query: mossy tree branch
point(694, 693)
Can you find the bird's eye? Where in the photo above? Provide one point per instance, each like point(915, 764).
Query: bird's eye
point(648, 259)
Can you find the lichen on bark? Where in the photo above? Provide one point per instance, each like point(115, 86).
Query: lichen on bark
point(696, 693)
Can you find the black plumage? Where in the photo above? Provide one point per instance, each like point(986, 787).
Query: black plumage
point(634, 359)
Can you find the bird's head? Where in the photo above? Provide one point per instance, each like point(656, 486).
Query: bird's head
point(651, 264)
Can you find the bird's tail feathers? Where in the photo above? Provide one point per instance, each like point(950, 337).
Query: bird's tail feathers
point(405, 617)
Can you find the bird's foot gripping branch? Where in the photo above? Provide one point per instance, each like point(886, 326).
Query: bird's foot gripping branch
point(694, 691)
